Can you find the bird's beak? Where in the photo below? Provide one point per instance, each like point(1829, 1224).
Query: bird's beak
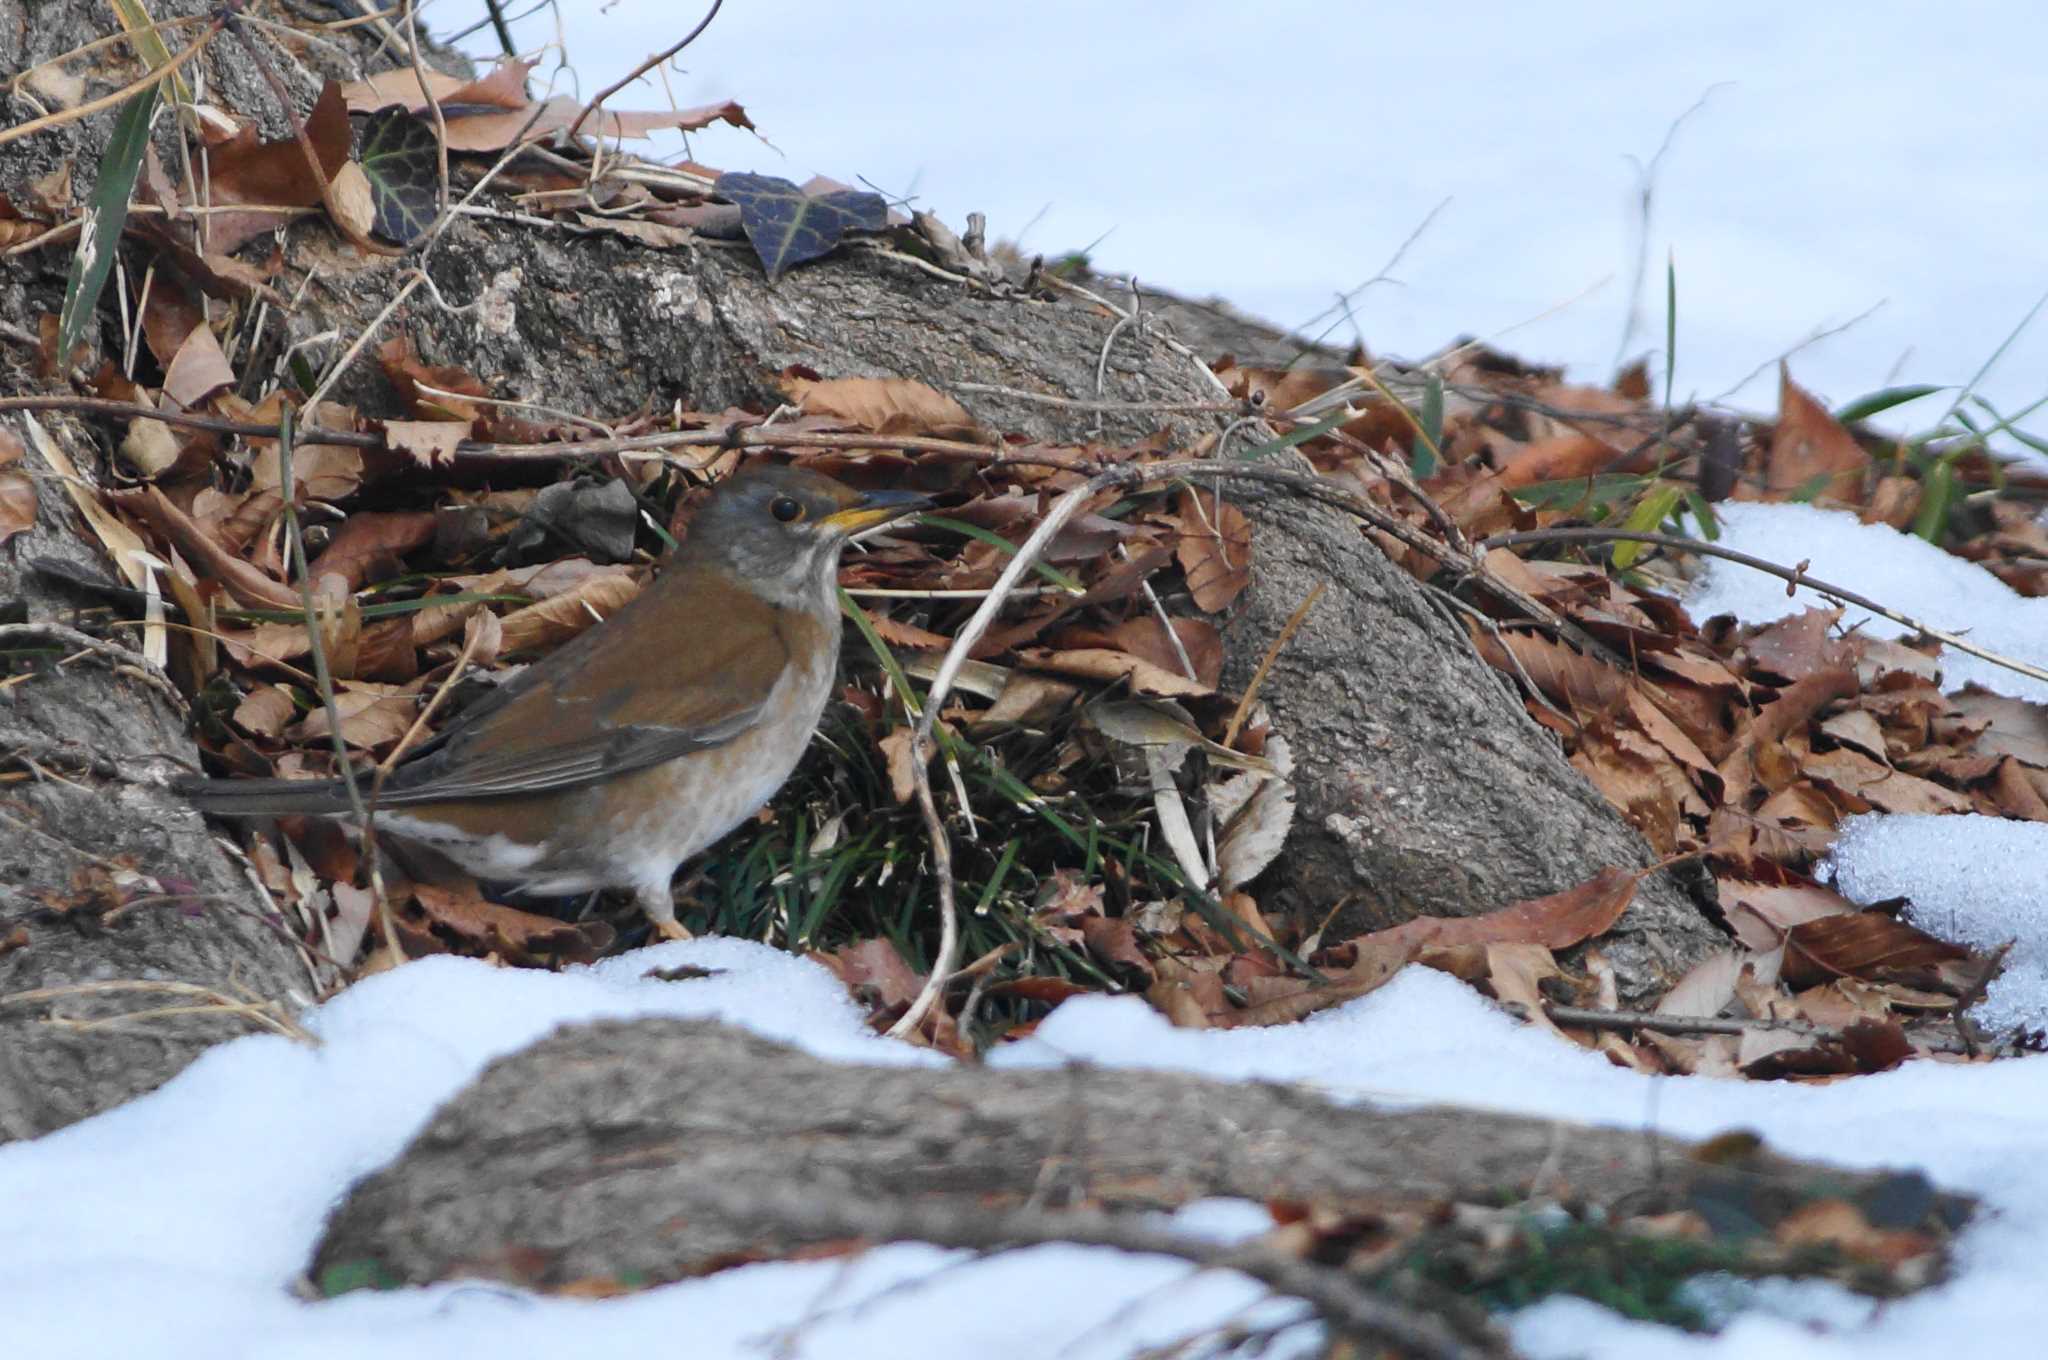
point(873, 508)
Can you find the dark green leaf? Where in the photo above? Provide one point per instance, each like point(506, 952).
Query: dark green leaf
point(345, 1277)
point(1809, 488)
point(1422, 462)
point(1864, 407)
point(106, 214)
point(1670, 324)
point(402, 163)
point(1937, 496)
point(1650, 512)
point(1572, 491)
point(789, 227)
point(1293, 437)
point(1710, 527)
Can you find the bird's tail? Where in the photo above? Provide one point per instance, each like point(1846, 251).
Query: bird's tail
point(263, 797)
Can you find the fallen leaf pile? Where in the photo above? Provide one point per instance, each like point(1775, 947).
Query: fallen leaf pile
point(1088, 726)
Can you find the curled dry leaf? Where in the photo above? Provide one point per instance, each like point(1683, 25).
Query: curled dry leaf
point(198, 370)
point(1215, 549)
point(884, 406)
point(248, 584)
point(561, 617)
point(445, 914)
point(265, 711)
point(1875, 947)
point(17, 491)
point(372, 716)
point(1810, 446)
point(1101, 664)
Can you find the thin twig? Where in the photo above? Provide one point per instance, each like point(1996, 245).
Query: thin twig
point(1342, 1301)
point(122, 95)
point(1582, 1017)
point(642, 69)
point(266, 1013)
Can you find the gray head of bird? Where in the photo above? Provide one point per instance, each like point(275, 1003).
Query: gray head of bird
point(780, 530)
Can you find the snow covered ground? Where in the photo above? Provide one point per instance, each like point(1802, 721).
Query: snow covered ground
point(1279, 154)
point(174, 1226)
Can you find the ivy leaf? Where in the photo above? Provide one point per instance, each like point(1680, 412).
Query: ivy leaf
point(400, 160)
point(790, 227)
point(94, 258)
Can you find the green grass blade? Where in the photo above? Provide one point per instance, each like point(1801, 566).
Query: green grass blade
point(1884, 399)
point(1293, 437)
point(106, 214)
point(1422, 463)
point(1650, 512)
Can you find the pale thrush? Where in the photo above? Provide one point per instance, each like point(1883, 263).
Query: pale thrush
point(647, 738)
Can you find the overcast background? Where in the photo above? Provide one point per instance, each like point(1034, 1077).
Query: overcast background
point(1845, 157)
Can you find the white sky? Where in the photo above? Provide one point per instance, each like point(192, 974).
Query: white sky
point(1279, 153)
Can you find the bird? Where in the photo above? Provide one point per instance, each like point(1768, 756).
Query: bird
point(647, 738)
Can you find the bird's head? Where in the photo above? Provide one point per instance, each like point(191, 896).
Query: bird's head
point(780, 529)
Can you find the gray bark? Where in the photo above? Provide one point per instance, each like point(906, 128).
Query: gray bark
point(617, 1150)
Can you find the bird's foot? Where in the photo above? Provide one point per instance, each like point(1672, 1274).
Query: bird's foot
point(672, 929)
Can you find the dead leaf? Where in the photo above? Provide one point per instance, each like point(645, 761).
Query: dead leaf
point(198, 370)
point(1868, 945)
point(1101, 664)
point(351, 202)
point(1215, 549)
point(17, 491)
point(884, 406)
point(1810, 445)
point(457, 913)
point(1114, 941)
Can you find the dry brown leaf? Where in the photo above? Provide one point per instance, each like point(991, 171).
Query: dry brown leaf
point(1808, 445)
point(1146, 636)
point(883, 405)
point(896, 748)
point(351, 202)
point(248, 584)
point(1215, 549)
point(265, 711)
point(1569, 679)
point(1857, 776)
point(1114, 941)
point(455, 912)
point(150, 447)
point(1380, 956)
point(1561, 457)
point(17, 491)
point(1762, 900)
point(373, 716)
point(198, 370)
point(1099, 663)
point(899, 634)
point(557, 619)
point(1799, 645)
point(1868, 945)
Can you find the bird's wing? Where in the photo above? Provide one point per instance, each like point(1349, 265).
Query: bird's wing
point(660, 680)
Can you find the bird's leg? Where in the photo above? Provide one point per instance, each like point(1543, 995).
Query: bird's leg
point(659, 905)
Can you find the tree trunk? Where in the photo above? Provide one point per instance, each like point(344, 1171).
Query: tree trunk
point(622, 1150)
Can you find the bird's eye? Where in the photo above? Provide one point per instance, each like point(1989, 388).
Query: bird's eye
point(786, 509)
